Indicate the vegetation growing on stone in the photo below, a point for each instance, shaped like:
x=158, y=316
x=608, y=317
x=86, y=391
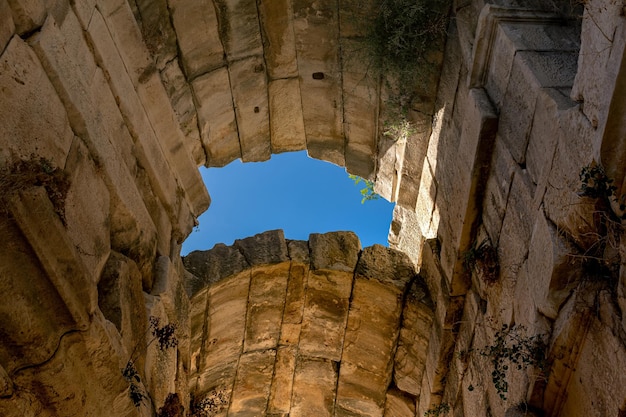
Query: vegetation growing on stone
x=34, y=172
x=438, y=411
x=512, y=347
x=209, y=405
x=367, y=192
x=482, y=259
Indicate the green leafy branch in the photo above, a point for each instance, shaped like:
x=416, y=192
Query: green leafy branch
x=367, y=192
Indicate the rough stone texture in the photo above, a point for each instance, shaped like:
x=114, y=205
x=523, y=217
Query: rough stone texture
x=286, y=122
x=337, y=251
x=265, y=248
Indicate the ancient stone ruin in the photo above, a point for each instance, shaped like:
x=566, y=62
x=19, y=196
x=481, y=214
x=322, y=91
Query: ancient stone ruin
x=503, y=292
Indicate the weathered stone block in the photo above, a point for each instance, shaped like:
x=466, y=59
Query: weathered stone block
x=179, y=92
x=28, y=15
x=553, y=267
x=298, y=251
x=286, y=122
x=121, y=301
x=314, y=388
x=197, y=328
x=398, y=404
x=325, y=314
x=282, y=381
x=389, y=167
x=214, y=265
x=279, y=41
x=33, y=314
x=359, y=392
x=252, y=385
x=266, y=302
x=197, y=35
x=294, y=301
x=26, y=88
x=239, y=28
x=7, y=26
x=249, y=88
x=216, y=117
x=157, y=30
x=338, y=251
x=316, y=33
x=497, y=189
x=87, y=219
x=390, y=267
x=264, y=248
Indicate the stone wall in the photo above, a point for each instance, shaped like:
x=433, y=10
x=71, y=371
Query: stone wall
x=317, y=328
x=109, y=106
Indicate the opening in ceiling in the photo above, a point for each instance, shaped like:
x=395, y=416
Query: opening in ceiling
x=291, y=191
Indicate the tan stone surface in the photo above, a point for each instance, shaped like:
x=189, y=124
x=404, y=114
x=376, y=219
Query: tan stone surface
x=252, y=385
x=399, y=405
x=6, y=23
x=266, y=302
x=25, y=86
x=325, y=314
x=313, y=388
x=296, y=287
x=27, y=15
x=239, y=28
x=337, y=251
x=286, y=120
x=197, y=34
x=278, y=37
x=216, y=117
x=264, y=248
x=282, y=381
x=249, y=88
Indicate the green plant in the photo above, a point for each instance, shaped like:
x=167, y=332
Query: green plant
x=166, y=338
x=482, y=259
x=34, y=172
x=438, y=410
x=209, y=405
x=512, y=347
x=367, y=192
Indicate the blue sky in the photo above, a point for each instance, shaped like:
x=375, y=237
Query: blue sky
x=292, y=192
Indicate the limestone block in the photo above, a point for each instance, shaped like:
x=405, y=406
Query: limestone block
x=239, y=28
x=314, y=388
x=410, y=356
x=197, y=327
x=266, y=302
x=27, y=15
x=405, y=234
x=121, y=301
x=216, y=117
x=279, y=42
x=360, y=101
x=389, y=267
x=179, y=91
x=169, y=288
x=148, y=150
x=286, y=122
x=161, y=362
x=371, y=334
x=157, y=30
x=41, y=225
x=356, y=19
x=325, y=314
x=298, y=251
x=555, y=272
x=500, y=63
x=34, y=121
x=264, y=248
x=226, y=321
x=316, y=33
x=249, y=88
x=544, y=133
x=389, y=167
x=571, y=213
x=518, y=107
x=87, y=219
x=132, y=229
x=497, y=189
x=82, y=377
x=197, y=34
x=398, y=404
x=598, y=55
x=252, y=385
x=414, y=155
x=338, y=251
x=517, y=225
x=33, y=316
x=84, y=11
x=426, y=201
x=6, y=386
x=7, y=26
x=214, y=265
x=294, y=301
x=282, y=381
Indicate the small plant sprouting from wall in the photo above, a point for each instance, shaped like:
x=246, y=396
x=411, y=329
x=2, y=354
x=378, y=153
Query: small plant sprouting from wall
x=482, y=259
x=209, y=405
x=367, y=192
x=438, y=411
x=166, y=338
x=35, y=172
x=512, y=347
